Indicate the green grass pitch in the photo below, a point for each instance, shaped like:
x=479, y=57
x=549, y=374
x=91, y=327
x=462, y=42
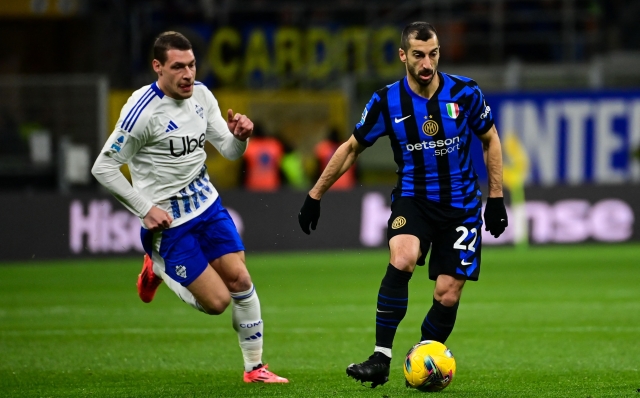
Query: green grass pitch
x=559, y=321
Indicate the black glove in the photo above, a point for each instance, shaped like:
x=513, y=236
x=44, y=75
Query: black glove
x=495, y=216
x=309, y=214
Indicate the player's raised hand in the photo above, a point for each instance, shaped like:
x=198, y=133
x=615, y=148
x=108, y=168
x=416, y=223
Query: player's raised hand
x=157, y=219
x=240, y=125
x=495, y=216
x=309, y=214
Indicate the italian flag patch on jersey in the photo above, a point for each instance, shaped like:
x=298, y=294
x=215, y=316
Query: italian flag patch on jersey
x=452, y=110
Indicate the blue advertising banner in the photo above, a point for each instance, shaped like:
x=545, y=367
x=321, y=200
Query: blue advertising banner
x=571, y=137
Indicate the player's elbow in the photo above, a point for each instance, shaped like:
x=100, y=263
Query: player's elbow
x=101, y=170
x=97, y=171
x=233, y=153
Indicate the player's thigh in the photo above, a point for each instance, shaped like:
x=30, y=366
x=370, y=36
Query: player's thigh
x=408, y=218
x=210, y=291
x=178, y=253
x=232, y=269
x=456, y=249
x=217, y=234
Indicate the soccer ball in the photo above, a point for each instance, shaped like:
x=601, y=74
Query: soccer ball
x=429, y=366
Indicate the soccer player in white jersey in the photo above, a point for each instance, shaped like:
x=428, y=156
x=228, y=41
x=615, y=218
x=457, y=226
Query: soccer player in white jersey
x=190, y=240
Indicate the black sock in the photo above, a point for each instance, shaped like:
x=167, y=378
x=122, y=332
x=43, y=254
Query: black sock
x=438, y=323
x=392, y=305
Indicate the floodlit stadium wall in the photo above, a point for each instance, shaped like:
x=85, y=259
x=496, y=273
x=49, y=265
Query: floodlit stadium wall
x=55, y=226
x=572, y=137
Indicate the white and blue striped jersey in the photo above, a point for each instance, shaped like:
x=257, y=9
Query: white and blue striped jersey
x=162, y=141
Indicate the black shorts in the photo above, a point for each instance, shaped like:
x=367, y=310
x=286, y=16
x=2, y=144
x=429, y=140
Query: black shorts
x=454, y=235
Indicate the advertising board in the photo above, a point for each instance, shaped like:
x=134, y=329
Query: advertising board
x=54, y=226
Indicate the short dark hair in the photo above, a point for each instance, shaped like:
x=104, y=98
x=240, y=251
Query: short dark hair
x=417, y=30
x=169, y=41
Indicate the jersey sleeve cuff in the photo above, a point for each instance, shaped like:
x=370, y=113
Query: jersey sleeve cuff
x=361, y=140
x=144, y=209
x=486, y=128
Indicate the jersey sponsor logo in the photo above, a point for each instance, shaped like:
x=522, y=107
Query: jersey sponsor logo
x=401, y=119
x=399, y=222
x=430, y=128
x=442, y=147
x=181, y=271
x=453, y=110
x=189, y=145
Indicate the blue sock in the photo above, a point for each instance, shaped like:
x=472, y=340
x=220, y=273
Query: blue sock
x=392, y=305
x=438, y=323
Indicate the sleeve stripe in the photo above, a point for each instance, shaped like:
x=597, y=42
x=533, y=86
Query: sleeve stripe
x=135, y=108
x=139, y=112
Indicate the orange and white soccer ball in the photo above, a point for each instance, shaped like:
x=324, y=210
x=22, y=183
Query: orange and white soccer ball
x=429, y=366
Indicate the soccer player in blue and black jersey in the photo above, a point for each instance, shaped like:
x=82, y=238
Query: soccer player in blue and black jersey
x=430, y=118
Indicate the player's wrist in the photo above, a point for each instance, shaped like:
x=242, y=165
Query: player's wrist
x=313, y=195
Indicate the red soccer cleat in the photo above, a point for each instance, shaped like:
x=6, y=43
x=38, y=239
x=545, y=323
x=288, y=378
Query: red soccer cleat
x=148, y=282
x=262, y=375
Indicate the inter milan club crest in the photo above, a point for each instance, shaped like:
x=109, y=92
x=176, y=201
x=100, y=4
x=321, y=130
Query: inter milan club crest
x=399, y=222
x=452, y=110
x=430, y=128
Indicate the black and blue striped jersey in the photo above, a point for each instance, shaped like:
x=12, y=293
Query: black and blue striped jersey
x=430, y=138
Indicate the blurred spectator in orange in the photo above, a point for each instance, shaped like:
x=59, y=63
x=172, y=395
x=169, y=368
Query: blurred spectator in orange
x=262, y=162
x=324, y=150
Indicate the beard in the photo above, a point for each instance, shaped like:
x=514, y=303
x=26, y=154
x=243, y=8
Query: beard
x=417, y=76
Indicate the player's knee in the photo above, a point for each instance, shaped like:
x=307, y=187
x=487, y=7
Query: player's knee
x=404, y=261
x=447, y=296
x=240, y=282
x=449, y=299
x=216, y=306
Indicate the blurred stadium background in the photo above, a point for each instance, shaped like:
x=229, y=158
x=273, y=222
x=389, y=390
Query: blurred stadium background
x=561, y=76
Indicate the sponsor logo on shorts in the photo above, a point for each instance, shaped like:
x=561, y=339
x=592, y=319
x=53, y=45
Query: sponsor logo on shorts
x=399, y=222
x=181, y=271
